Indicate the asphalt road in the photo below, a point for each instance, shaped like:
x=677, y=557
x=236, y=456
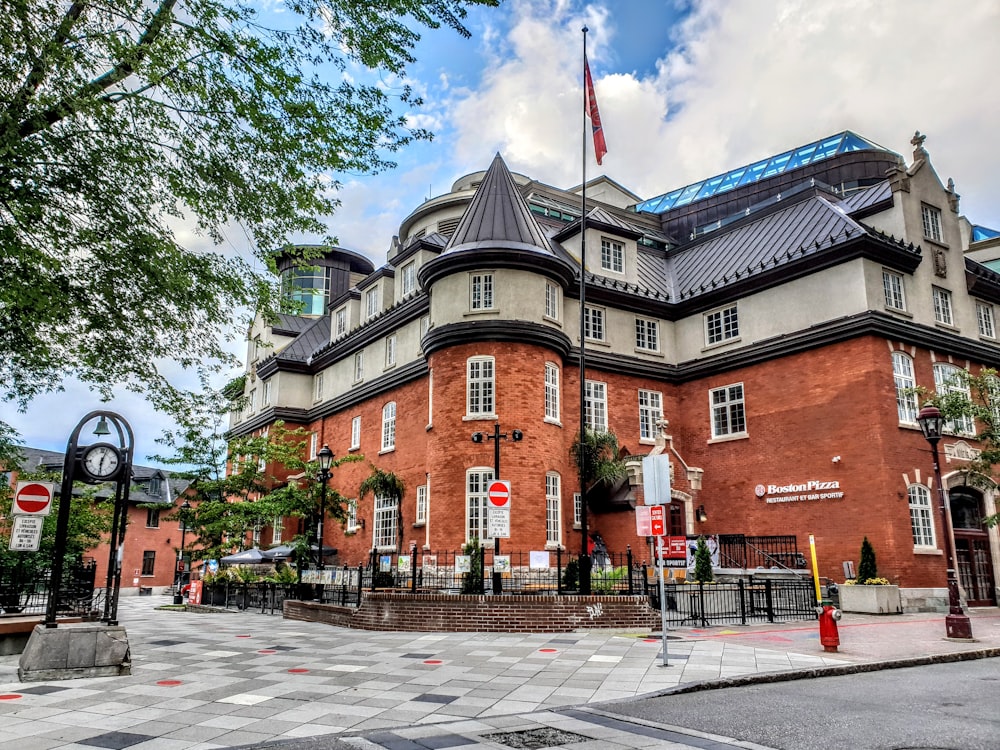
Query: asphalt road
x=942, y=706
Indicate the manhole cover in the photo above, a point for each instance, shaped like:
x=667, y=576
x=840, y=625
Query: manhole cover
x=533, y=739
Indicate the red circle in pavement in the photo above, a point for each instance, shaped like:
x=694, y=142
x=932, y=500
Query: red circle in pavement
x=547, y=650
x=10, y=696
x=432, y=661
x=244, y=636
x=169, y=683
x=650, y=640
x=298, y=670
x=267, y=651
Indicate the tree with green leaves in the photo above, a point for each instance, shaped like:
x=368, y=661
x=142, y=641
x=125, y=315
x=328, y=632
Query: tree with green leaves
x=388, y=486
x=973, y=400
x=268, y=477
x=135, y=135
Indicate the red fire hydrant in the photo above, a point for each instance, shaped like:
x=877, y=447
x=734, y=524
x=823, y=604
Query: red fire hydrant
x=828, y=635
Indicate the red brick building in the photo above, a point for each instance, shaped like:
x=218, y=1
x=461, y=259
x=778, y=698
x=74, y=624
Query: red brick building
x=773, y=316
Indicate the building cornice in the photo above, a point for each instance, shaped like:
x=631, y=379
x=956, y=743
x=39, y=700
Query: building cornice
x=519, y=331
x=447, y=264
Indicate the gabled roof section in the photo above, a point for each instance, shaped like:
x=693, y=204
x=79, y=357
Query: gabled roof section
x=498, y=218
x=753, y=248
x=312, y=338
x=290, y=325
x=861, y=201
x=825, y=148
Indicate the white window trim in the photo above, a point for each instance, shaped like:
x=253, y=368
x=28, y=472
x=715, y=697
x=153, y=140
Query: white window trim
x=390, y=351
x=590, y=397
x=319, y=384
x=408, y=278
x=351, y=525
x=723, y=436
x=372, y=303
x=479, y=382
x=388, y=427
x=313, y=445
x=553, y=301
x=655, y=414
x=383, y=507
x=359, y=366
x=906, y=404
x=986, y=320
x=589, y=314
x=355, y=433
x=552, y=394
x=616, y=252
x=340, y=317
x=887, y=287
x=485, y=477
x=553, y=510
x=420, y=513
x=928, y=509
x=721, y=314
x=943, y=310
x=930, y=220
x=647, y=324
x=483, y=283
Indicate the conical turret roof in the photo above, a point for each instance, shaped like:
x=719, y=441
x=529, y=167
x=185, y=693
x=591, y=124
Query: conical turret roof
x=498, y=218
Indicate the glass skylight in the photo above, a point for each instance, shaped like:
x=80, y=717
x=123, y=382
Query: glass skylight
x=841, y=143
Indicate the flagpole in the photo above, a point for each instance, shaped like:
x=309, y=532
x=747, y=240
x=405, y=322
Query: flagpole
x=582, y=453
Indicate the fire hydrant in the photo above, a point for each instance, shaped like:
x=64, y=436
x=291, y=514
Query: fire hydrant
x=828, y=635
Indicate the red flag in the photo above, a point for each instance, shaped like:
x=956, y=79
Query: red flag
x=600, y=147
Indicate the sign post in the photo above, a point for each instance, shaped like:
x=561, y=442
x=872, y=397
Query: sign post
x=498, y=521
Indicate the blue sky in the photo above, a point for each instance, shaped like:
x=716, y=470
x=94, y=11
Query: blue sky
x=687, y=89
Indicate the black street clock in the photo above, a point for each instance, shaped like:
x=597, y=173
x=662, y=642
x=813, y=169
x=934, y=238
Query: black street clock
x=100, y=462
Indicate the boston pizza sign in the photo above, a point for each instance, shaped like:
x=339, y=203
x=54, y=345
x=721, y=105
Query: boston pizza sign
x=796, y=492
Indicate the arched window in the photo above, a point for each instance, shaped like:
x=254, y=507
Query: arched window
x=389, y=426
x=553, y=509
x=906, y=403
x=920, y=516
x=477, y=483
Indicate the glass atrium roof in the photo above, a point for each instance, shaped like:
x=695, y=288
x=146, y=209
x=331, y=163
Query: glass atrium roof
x=841, y=143
x=983, y=233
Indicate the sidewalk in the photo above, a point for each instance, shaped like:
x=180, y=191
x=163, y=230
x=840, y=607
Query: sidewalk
x=207, y=680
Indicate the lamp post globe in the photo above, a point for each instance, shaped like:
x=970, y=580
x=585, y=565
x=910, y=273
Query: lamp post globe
x=957, y=624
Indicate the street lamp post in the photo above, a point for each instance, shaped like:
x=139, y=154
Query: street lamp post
x=957, y=623
x=184, y=510
x=496, y=437
x=325, y=460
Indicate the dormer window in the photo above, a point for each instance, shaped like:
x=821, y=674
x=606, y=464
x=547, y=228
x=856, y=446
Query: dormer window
x=408, y=278
x=371, y=303
x=612, y=256
x=154, y=486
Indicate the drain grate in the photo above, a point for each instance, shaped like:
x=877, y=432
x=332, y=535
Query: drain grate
x=534, y=739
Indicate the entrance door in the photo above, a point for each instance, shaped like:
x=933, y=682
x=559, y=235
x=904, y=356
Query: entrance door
x=972, y=547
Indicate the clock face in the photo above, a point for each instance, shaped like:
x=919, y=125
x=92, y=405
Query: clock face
x=101, y=461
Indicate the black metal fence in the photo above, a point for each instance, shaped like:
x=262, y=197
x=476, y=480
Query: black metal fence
x=24, y=590
x=755, y=552
x=742, y=602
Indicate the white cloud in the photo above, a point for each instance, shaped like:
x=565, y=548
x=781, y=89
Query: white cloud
x=746, y=80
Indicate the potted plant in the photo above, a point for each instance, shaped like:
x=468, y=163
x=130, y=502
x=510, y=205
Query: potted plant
x=868, y=592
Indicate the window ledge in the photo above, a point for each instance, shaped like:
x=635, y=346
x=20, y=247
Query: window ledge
x=598, y=342
x=387, y=450
x=988, y=339
x=429, y=427
x=649, y=352
x=553, y=546
x=480, y=417
x=928, y=551
x=937, y=243
x=729, y=438
x=354, y=448
x=419, y=524
x=550, y=319
x=647, y=441
x=550, y=420
x=488, y=312
x=897, y=311
x=718, y=344
x=947, y=327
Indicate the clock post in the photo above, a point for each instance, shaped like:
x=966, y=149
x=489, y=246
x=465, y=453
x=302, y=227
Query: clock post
x=94, y=649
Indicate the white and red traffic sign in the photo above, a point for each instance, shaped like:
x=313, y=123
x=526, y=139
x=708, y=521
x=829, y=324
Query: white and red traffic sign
x=33, y=498
x=650, y=520
x=499, y=494
x=26, y=533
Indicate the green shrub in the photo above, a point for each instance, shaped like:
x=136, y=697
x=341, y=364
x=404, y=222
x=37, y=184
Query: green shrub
x=867, y=569
x=703, y=563
x=571, y=575
x=608, y=581
x=472, y=582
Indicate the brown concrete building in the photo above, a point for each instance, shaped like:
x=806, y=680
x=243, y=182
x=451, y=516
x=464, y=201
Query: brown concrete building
x=773, y=316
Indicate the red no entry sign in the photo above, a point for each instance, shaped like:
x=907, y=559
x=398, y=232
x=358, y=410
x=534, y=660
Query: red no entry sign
x=33, y=498
x=499, y=494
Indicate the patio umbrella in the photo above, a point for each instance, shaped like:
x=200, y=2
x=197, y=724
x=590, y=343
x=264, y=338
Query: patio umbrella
x=252, y=555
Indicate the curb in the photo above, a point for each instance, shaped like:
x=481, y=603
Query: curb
x=806, y=674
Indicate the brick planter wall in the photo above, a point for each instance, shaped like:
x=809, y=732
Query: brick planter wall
x=499, y=614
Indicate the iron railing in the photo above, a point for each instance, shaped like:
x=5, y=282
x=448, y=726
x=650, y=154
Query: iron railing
x=742, y=602
x=756, y=552
x=24, y=590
